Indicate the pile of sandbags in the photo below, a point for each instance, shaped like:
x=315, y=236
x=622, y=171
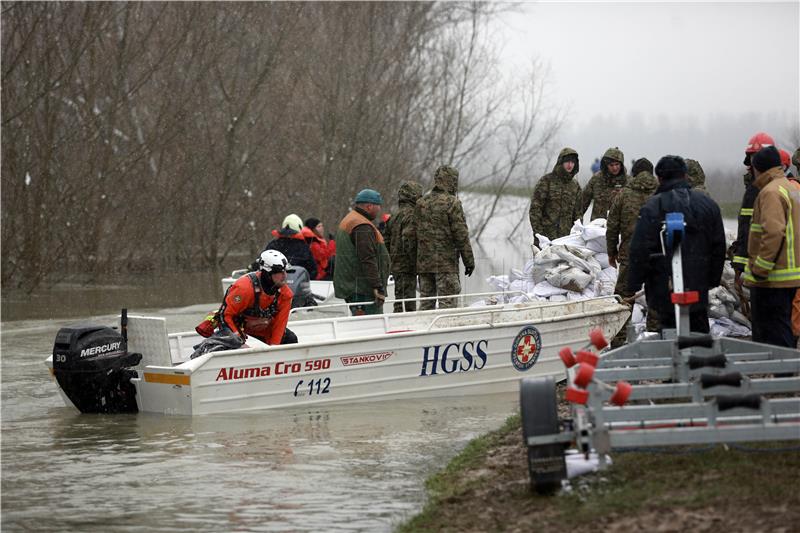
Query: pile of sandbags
x=569, y=268
x=575, y=267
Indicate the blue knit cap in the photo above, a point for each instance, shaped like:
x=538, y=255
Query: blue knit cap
x=369, y=196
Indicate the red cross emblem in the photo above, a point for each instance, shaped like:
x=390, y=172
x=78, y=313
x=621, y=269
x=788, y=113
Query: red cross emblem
x=525, y=348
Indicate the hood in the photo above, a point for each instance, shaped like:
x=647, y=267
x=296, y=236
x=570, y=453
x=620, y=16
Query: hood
x=696, y=175
x=559, y=171
x=613, y=154
x=767, y=176
x=409, y=192
x=644, y=181
x=445, y=179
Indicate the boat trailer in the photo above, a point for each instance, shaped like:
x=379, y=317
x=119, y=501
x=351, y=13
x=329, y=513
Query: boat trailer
x=713, y=390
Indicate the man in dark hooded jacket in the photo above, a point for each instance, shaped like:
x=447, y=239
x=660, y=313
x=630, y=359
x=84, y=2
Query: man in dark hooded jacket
x=403, y=253
x=702, y=246
x=556, y=199
x=442, y=238
x=605, y=185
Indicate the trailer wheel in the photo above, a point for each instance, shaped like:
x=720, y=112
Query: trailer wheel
x=539, y=413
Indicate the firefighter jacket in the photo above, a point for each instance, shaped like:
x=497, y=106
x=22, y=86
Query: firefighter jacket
x=773, y=249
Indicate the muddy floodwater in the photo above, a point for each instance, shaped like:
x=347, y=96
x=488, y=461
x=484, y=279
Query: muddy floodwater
x=349, y=468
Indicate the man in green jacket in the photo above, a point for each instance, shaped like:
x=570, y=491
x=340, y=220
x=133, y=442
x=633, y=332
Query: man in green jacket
x=606, y=184
x=556, y=199
x=362, y=261
x=442, y=237
x=402, y=252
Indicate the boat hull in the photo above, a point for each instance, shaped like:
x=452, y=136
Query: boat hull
x=415, y=355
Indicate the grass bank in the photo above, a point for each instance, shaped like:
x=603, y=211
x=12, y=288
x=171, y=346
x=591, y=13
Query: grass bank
x=742, y=488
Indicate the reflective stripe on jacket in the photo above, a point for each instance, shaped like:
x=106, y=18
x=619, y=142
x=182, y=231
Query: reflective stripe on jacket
x=773, y=248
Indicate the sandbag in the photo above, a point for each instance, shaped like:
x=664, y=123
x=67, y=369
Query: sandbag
x=602, y=260
x=546, y=289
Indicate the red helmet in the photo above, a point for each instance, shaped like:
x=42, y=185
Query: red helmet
x=786, y=158
x=757, y=142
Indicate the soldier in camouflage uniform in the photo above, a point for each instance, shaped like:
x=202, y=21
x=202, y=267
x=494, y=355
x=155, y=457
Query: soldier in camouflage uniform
x=606, y=184
x=403, y=253
x=796, y=161
x=442, y=237
x=556, y=199
x=622, y=219
x=697, y=178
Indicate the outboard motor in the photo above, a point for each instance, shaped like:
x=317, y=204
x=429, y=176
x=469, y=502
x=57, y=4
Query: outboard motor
x=92, y=367
x=298, y=279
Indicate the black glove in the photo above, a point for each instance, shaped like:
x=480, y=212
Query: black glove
x=468, y=271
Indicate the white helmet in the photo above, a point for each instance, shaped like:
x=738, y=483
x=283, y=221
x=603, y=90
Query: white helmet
x=272, y=261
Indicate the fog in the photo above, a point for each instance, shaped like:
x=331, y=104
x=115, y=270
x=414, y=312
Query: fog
x=697, y=79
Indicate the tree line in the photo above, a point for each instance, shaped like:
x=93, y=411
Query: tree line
x=147, y=137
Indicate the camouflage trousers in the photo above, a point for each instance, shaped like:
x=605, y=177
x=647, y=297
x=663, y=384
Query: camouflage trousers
x=439, y=284
x=621, y=289
x=405, y=286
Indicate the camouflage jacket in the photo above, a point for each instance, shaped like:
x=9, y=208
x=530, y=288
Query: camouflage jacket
x=624, y=213
x=556, y=200
x=403, y=252
x=697, y=178
x=441, y=231
x=603, y=187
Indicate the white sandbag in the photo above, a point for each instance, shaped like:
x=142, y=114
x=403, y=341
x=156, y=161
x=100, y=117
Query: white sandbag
x=517, y=285
x=598, y=222
x=637, y=315
x=725, y=327
x=577, y=228
x=717, y=311
x=544, y=242
x=597, y=245
x=602, y=259
x=527, y=271
x=569, y=240
x=608, y=274
x=546, y=289
x=739, y=318
x=557, y=298
x=573, y=296
x=544, y=262
x=576, y=261
x=498, y=283
x=570, y=278
x=515, y=274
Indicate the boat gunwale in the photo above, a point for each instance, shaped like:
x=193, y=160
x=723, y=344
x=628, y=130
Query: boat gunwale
x=193, y=365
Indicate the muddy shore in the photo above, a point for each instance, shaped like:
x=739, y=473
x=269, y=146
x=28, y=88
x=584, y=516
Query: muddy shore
x=745, y=488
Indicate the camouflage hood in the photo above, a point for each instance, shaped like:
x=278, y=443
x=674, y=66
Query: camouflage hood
x=559, y=171
x=409, y=192
x=613, y=154
x=697, y=177
x=644, y=181
x=445, y=179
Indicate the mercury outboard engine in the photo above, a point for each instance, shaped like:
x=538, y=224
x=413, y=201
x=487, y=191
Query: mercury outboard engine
x=92, y=366
x=298, y=279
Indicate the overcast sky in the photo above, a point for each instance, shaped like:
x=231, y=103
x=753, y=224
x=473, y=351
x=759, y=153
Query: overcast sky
x=687, y=71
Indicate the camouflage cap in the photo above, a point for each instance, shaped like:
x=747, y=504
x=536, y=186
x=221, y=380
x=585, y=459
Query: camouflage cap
x=614, y=154
x=695, y=171
x=446, y=179
x=409, y=191
x=446, y=171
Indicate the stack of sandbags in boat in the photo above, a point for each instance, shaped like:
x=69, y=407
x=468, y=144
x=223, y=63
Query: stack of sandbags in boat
x=574, y=267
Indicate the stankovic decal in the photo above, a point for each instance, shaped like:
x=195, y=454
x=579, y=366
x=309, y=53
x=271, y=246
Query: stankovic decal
x=454, y=357
x=526, y=348
x=365, y=359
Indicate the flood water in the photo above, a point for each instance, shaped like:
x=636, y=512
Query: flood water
x=347, y=468
x=357, y=467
